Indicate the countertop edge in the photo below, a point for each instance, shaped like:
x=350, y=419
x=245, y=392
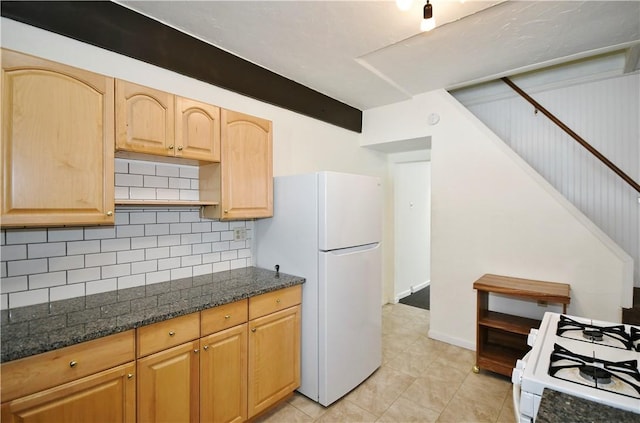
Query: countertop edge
x=557, y=406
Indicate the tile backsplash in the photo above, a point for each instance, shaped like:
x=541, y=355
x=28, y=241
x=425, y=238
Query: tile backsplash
x=142, y=180
x=145, y=246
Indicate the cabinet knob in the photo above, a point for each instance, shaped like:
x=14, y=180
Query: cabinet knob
x=171, y=147
x=278, y=300
x=253, y=330
x=227, y=317
x=109, y=213
x=73, y=363
x=196, y=351
x=130, y=376
x=180, y=148
x=171, y=333
x=206, y=347
x=226, y=211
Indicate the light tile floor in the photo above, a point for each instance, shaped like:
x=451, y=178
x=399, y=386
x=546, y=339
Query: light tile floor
x=420, y=380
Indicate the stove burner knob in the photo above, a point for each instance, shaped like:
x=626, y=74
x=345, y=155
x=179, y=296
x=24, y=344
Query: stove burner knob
x=516, y=374
x=531, y=339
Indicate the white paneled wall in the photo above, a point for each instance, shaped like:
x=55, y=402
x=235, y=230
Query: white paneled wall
x=145, y=246
x=606, y=113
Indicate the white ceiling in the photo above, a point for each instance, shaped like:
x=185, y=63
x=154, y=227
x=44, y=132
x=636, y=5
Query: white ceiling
x=369, y=53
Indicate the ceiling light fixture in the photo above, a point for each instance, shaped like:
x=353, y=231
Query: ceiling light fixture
x=428, y=21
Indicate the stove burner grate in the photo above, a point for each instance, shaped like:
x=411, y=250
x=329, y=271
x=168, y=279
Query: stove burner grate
x=616, y=334
x=595, y=374
x=635, y=338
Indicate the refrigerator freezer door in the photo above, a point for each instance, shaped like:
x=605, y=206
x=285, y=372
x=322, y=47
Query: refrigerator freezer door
x=350, y=319
x=350, y=210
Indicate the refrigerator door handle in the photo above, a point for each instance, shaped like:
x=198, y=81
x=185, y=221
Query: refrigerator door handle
x=351, y=250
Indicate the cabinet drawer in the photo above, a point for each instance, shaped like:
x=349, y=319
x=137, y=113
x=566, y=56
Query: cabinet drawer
x=43, y=371
x=167, y=334
x=223, y=317
x=271, y=302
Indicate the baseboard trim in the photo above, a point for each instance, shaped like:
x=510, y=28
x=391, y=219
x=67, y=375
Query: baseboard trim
x=418, y=287
x=439, y=336
x=401, y=295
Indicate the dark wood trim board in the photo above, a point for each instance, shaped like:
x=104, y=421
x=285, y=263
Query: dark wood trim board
x=114, y=27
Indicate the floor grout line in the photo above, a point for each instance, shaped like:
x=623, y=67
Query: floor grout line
x=436, y=351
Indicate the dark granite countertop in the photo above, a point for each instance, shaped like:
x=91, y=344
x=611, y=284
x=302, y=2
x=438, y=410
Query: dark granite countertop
x=558, y=407
x=40, y=328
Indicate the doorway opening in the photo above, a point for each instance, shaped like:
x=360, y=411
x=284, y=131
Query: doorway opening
x=412, y=229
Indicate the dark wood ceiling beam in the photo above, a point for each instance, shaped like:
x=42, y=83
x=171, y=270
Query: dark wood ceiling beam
x=113, y=27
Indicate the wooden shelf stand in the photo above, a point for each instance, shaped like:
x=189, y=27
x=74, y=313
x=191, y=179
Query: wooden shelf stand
x=501, y=338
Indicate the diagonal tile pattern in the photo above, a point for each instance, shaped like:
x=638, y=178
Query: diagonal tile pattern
x=420, y=380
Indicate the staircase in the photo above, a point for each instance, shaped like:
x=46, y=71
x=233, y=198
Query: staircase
x=631, y=316
x=605, y=112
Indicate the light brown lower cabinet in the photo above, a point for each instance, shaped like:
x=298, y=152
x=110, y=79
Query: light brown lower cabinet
x=168, y=385
x=274, y=358
x=93, y=381
x=223, y=365
x=203, y=380
x=223, y=376
x=108, y=396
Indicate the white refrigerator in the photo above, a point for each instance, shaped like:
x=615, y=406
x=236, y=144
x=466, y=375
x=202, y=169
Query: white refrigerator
x=327, y=228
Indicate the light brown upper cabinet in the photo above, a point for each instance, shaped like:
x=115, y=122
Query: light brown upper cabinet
x=154, y=122
x=244, y=184
x=57, y=144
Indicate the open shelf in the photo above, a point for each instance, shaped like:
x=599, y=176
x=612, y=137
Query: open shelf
x=508, y=322
x=123, y=202
x=499, y=358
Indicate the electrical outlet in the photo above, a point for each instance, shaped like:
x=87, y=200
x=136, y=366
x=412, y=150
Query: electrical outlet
x=239, y=234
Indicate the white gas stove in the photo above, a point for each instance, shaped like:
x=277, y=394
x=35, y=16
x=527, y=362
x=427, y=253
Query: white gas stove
x=594, y=360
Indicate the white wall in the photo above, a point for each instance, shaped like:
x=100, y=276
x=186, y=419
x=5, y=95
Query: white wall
x=491, y=213
x=300, y=144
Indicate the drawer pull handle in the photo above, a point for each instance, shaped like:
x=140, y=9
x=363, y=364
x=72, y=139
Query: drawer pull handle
x=171, y=333
x=73, y=363
x=278, y=301
x=253, y=330
x=227, y=317
x=206, y=347
x=130, y=376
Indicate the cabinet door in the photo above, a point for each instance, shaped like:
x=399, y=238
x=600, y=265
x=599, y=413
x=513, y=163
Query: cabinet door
x=247, y=170
x=168, y=385
x=274, y=358
x=144, y=119
x=107, y=396
x=57, y=144
x=223, y=376
x=197, y=130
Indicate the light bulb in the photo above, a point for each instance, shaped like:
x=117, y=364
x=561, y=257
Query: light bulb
x=404, y=5
x=427, y=24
